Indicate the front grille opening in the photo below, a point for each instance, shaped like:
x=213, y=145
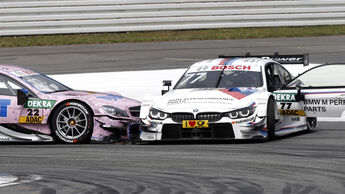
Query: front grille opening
x=179, y=117
x=135, y=111
x=211, y=117
x=215, y=131
x=194, y=133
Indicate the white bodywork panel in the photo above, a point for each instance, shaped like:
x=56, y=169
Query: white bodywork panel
x=319, y=102
x=220, y=100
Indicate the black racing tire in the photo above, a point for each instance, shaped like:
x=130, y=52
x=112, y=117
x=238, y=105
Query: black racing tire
x=133, y=134
x=72, y=122
x=311, y=123
x=271, y=121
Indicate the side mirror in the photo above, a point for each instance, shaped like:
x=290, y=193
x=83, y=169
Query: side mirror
x=168, y=84
x=272, y=89
x=299, y=95
x=22, y=96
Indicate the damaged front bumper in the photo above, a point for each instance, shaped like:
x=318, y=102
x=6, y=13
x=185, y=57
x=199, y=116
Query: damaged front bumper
x=108, y=129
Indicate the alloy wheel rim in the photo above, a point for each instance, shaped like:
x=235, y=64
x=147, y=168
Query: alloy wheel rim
x=71, y=122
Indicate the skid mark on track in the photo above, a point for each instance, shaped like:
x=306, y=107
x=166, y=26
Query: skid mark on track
x=20, y=179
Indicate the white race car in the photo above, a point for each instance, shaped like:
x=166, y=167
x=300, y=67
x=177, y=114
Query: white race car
x=228, y=98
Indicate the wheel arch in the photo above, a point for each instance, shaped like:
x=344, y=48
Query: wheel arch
x=262, y=105
x=64, y=101
x=276, y=116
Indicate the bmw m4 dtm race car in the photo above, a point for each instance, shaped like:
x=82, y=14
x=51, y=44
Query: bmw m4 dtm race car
x=34, y=107
x=234, y=98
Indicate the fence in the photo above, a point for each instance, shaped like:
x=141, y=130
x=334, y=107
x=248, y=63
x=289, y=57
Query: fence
x=31, y=17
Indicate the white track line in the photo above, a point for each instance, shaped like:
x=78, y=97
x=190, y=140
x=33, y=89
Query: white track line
x=133, y=84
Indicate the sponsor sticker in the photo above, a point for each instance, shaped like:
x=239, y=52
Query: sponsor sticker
x=31, y=119
x=23, y=73
x=38, y=103
x=216, y=100
x=295, y=119
x=321, y=105
x=232, y=67
x=64, y=139
x=195, y=124
x=78, y=105
x=292, y=112
x=285, y=97
x=5, y=139
x=250, y=119
x=4, y=103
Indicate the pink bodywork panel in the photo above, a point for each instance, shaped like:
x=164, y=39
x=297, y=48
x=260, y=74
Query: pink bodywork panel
x=93, y=99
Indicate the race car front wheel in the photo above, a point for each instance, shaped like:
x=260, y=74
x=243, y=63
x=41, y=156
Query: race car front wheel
x=72, y=122
x=271, y=122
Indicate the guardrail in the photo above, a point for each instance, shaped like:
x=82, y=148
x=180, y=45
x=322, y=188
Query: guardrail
x=31, y=17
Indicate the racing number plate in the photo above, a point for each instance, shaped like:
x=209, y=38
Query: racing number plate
x=195, y=124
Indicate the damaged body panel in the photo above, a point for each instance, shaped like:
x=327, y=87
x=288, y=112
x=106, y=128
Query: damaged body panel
x=34, y=102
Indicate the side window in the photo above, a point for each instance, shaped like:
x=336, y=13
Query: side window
x=4, y=90
x=13, y=86
x=277, y=77
x=285, y=75
x=273, y=79
x=269, y=78
x=8, y=87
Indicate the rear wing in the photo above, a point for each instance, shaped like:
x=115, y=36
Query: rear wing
x=282, y=59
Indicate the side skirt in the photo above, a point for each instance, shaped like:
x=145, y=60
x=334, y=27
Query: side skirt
x=291, y=129
x=8, y=135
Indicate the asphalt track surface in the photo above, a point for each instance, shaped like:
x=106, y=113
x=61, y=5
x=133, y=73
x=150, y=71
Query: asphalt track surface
x=163, y=55
x=299, y=163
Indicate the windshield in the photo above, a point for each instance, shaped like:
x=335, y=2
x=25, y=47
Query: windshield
x=44, y=83
x=219, y=79
x=321, y=76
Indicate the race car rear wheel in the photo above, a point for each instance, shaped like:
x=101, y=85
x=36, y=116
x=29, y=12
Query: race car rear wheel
x=72, y=122
x=271, y=122
x=311, y=123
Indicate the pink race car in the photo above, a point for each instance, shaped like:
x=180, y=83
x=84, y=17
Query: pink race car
x=34, y=107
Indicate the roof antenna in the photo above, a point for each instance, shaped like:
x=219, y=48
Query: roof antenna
x=247, y=54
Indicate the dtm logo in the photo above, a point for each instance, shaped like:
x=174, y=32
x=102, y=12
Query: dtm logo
x=111, y=97
x=4, y=103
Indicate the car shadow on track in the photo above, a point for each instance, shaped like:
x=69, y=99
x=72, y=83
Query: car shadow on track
x=233, y=141
x=183, y=142
x=27, y=143
x=292, y=135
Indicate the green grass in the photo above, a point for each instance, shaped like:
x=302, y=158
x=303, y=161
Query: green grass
x=181, y=35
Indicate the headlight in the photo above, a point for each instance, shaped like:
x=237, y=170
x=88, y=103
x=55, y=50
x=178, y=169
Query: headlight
x=157, y=114
x=114, y=111
x=241, y=113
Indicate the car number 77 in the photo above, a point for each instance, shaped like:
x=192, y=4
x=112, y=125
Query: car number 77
x=287, y=104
